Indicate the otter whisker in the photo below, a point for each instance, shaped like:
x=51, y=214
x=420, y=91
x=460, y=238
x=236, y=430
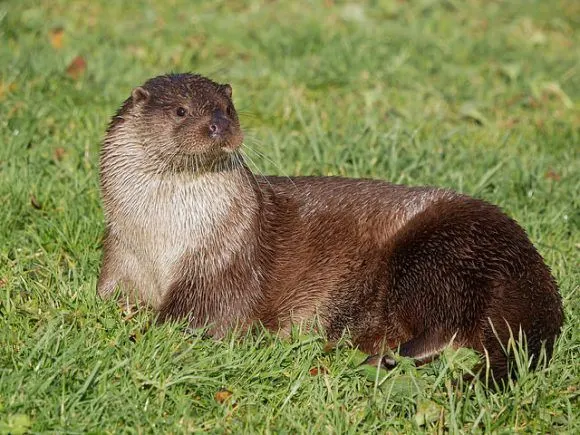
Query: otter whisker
x=262, y=176
x=248, y=173
x=242, y=164
x=261, y=155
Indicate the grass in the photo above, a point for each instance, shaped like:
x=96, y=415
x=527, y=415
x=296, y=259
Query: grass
x=479, y=96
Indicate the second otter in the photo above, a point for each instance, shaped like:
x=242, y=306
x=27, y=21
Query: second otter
x=193, y=233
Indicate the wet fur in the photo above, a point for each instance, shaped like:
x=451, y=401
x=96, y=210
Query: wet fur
x=397, y=266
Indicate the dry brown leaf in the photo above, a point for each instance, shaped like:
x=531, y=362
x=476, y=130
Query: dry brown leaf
x=55, y=35
x=3, y=282
x=553, y=175
x=510, y=123
x=515, y=99
x=553, y=89
x=222, y=395
x=5, y=89
x=76, y=68
x=329, y=346
x=315, y=371
x=533, y=103
x=59, y=153
x=34, y=202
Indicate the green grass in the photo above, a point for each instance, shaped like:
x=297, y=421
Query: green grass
x=479, y=96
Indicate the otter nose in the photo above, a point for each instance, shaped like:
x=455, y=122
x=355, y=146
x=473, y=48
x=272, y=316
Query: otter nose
x=219, y=124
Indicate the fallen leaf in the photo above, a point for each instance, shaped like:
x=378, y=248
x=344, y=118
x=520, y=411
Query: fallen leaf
x=315, y=371
x=16, y=424
x=222, y=395
x=553, y=175
x=511, y=71
x=34, y=202
x=532, y=103
x=3, y=282
x=359, y=357
x=427, y=412
x=59, y=153
x=374, y=373
x=514, y=99
x=76, y=68
x=403, y=386
x=554, y=89
x=461, y=359
x=108, y=323
x=538, y=38
x=6, y=88
x=510, y=123
x=470, y=111
x=55, y=35
x=329, y=346
x=129, y=315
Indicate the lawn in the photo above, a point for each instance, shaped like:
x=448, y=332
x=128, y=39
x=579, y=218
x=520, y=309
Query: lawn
x=479, y=96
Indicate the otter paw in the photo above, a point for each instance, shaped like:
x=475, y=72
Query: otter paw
x=381, y=361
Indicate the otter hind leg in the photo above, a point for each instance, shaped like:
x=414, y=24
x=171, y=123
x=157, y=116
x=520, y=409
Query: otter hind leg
x=423, y=349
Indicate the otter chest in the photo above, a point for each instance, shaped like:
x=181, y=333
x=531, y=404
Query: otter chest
x=163, y=223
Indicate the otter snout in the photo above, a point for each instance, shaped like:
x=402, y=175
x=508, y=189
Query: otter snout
x=219, y=125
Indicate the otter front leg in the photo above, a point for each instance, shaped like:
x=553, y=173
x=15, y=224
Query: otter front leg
x=112, y=279
x=106, y=285
x=113, y=271
x=108, y=279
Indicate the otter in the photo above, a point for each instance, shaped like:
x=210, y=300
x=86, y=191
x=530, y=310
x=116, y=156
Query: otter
x=194, y=234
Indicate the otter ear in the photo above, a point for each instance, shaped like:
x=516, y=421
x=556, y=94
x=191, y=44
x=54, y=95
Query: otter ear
x=227, y=89
x=139, y=95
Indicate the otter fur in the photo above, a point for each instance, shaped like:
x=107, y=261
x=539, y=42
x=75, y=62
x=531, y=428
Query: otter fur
x=194, y=234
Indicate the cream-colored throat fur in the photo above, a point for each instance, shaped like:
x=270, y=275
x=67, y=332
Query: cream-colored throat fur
x=206, y=216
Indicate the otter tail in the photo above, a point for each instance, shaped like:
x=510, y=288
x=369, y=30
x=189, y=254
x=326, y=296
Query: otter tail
x=513, y=336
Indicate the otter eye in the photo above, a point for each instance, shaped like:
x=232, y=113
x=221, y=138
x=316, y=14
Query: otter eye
x=181, y=111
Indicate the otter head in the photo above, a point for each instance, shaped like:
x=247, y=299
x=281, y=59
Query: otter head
x=184, y=121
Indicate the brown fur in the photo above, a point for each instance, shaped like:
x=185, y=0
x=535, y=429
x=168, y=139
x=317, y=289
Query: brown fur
x=200, y=237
